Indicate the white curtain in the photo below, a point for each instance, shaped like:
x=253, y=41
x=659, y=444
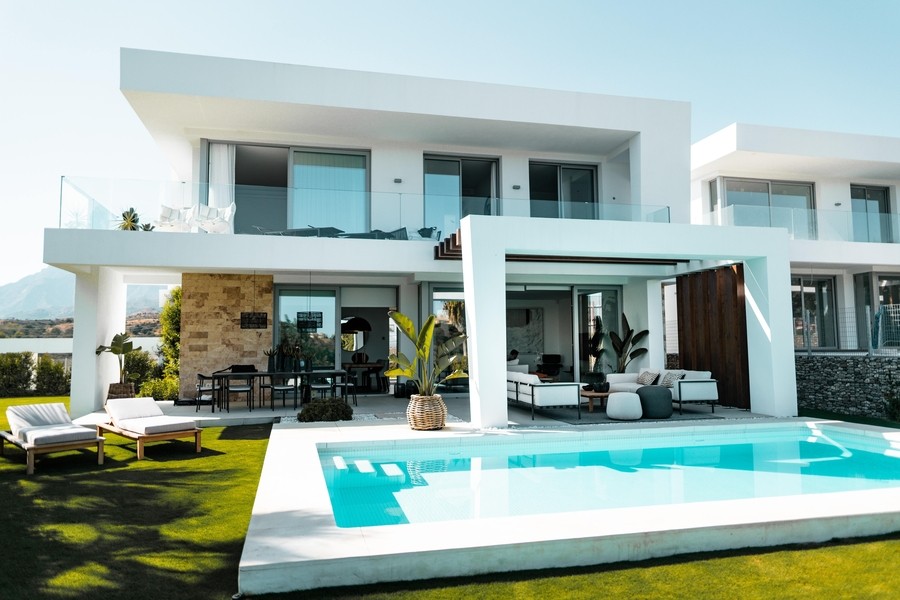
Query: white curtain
x=221, y=175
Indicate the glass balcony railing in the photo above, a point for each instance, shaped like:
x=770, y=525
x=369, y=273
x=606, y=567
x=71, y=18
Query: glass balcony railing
x=87, y=203
x=806, y=224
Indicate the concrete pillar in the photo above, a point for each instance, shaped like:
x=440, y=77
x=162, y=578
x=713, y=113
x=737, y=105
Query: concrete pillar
x=99, y=314
x=485, y=296
x=770, y=345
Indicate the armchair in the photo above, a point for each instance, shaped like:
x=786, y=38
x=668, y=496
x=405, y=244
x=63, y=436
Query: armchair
x=214, y=220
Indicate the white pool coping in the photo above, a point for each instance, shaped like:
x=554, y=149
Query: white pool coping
x=293, y=543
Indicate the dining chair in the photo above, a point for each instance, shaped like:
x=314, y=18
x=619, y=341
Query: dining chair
x=235, y=383
x=278, y=384
x=207, y=391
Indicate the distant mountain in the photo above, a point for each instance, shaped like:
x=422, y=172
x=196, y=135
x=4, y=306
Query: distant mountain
x=50, y=294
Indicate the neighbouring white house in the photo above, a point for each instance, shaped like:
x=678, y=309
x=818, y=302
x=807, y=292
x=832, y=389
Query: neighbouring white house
x=305, y=196
x=836, y=195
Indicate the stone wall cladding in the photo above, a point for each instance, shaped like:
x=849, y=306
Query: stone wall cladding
x=849, y=385
x=211, y=334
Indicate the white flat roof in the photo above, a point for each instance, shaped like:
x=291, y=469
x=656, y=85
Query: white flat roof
x=742, y=148
x=182, y=98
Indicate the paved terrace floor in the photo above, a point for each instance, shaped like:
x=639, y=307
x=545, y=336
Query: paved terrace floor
x=374, y=409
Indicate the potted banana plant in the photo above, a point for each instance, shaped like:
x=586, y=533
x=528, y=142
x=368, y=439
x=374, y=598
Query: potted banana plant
x=426, y=409
x=120, y=345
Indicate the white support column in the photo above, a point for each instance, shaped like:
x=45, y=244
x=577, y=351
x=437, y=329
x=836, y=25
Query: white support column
x=770, y=345
x=485, y=296
x=99, y=314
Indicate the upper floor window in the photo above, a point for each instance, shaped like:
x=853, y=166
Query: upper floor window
x=329, y=188
x=871, y=213
x=563, y=191
x=764, y=203
x=456, y=187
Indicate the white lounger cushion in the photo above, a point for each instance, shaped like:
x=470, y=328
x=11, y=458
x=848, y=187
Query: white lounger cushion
x=143, y=415
x=45, y=424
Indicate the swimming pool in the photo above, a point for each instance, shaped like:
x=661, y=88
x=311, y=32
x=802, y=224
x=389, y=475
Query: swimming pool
x=294, y=541
x=395, y=484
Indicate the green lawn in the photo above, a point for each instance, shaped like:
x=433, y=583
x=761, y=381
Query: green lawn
x=172, y=526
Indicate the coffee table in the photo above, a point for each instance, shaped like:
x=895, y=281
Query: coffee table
x=591, y=396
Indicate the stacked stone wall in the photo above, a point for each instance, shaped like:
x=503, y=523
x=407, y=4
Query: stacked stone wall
x=211, y=334
x=850, y=385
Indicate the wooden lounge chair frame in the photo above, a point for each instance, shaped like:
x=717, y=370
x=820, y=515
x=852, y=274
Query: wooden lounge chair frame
x=143, y=438
x=125, y=411
x=32, y=450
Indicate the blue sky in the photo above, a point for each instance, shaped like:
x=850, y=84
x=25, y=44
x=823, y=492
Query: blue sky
x=812, y=64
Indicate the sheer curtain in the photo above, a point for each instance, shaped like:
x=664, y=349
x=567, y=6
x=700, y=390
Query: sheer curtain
x=221, y=174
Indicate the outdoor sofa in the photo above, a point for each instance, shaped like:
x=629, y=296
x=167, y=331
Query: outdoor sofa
x=45, y=428
x=526, y=388
x=142, y=420
x=684, y=385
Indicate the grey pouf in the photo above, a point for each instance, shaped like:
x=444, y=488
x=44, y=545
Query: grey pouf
x=656, y=401
x=623, y=406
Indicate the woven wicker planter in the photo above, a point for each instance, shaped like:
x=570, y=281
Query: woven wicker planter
x=121, y=390
x=426, y=412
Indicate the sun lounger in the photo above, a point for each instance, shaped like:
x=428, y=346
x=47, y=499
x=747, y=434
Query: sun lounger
x=141, y=419
x=45, y=428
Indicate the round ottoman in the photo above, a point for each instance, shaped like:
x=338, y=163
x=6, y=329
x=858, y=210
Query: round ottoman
x=623, y=406
x=656, y=401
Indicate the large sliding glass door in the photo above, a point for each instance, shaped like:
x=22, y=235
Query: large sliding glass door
x=815, y=323
x=457, y=187
x=562, y=191
x=871, y=214
x=329, y=189
x=762, y=203
x=307, y=322
x=597, y=307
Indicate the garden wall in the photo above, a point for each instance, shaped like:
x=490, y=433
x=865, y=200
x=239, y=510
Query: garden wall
x=850, y=385
x=211, y=334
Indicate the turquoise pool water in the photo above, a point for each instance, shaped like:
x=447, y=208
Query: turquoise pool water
x=392, y=483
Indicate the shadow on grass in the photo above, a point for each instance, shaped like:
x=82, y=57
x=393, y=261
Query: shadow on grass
x=246, y=432
x=171, y=525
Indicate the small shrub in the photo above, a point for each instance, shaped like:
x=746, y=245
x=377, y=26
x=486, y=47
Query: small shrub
x=139, y=367
x=328, y=409
x=160, y=389
x=16, y=370
x=892, y=405
x=51, y=378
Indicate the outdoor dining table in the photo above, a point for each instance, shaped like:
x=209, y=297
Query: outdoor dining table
x=301, y=380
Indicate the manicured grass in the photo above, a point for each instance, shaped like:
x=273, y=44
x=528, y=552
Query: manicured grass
x=172, y=526
x=169, y=526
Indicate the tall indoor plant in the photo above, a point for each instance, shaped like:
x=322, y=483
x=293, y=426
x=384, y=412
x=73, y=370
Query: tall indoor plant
x=426, y=409
x=120, y=345
x=625, y=347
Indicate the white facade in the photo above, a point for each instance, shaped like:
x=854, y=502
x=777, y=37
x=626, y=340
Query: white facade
x=843, y=251
x=635, y=152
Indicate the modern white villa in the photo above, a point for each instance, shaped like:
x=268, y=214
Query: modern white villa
x=314, y=195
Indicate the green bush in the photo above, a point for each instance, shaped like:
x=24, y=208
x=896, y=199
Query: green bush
x=327, y=409
x=160, y=389
x=52, y=378
x=16, y=370
x=139, y=367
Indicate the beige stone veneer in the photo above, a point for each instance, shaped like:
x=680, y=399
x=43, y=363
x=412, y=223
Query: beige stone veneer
x=211, y=334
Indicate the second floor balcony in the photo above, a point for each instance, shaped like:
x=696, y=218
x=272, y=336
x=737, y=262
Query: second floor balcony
x=813, y=224
x=91, y=203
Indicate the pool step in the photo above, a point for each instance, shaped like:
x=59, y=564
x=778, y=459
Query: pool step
x=362, y=472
